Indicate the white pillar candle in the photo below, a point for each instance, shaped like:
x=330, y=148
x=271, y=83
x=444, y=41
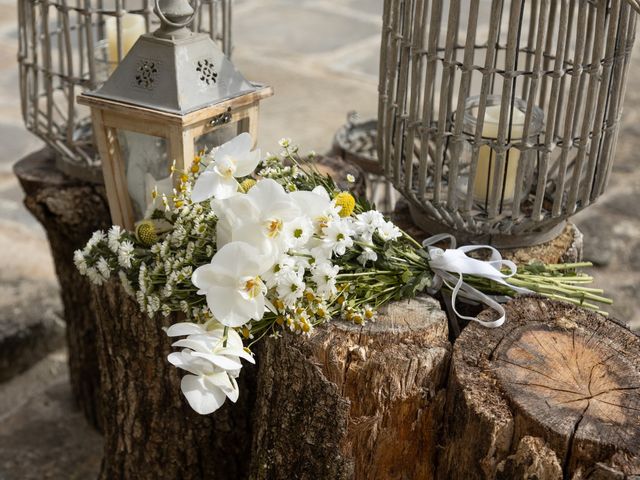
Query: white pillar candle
x=132, y=27
x=487, y=158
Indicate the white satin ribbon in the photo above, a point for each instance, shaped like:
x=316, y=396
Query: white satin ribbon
x=451, y=264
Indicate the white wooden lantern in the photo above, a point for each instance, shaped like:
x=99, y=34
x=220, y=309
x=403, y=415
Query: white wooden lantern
x=174, y=93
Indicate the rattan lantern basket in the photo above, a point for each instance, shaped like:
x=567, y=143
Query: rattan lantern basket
x=498, y=119
x=67, y=47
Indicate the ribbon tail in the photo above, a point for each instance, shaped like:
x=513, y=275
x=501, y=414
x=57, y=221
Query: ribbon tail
x=471, y=292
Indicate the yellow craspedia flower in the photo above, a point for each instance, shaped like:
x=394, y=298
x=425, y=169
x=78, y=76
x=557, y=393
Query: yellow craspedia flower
x=247, y=184
x=146, y=232
x=246, y=333
x=347, y=202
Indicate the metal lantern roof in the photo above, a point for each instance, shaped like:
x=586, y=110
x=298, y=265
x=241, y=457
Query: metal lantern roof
x=174, y=75
x=174, y=70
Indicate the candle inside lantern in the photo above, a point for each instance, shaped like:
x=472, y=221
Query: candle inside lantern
x=132, y=26
x=487, y=157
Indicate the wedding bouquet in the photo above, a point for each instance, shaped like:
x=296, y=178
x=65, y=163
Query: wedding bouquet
x=246, y=247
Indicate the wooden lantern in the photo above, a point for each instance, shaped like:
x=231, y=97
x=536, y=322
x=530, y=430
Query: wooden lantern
x=174, y=93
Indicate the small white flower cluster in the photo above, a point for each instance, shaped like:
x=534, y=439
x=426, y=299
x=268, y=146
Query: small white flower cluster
x=368, y=223
x=105, y=254
x=174, y=258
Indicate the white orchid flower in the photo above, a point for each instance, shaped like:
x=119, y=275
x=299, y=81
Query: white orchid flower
x=235, y=292
x=231, y=160
x=257, y=218
x=316, y=205
x=213, y=363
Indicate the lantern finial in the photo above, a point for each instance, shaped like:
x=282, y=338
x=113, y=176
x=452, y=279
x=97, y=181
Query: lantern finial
x=175, y=16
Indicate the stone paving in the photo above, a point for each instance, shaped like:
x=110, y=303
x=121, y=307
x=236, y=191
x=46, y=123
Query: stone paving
x=321, y=58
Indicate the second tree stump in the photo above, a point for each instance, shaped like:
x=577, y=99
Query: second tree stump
x=554, y=393
x=354, y=401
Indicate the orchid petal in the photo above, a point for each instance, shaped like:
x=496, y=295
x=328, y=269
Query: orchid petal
x=234, y=392
x=203, y=188
x=239, y=259
x=186, y=361
x=201, y=397
x=247, y=163
x=207, y=275
x=222, y=361
x=185, y=328
x=235, y=147
x=224, y=187
x=226, y=304
x=266, y=191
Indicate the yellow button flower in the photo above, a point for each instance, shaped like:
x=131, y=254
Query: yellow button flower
x=347, y=202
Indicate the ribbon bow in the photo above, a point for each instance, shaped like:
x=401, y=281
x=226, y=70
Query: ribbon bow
x=451, y=264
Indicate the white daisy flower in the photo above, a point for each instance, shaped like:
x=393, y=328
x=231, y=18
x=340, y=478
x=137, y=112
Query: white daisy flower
x=125, y=254
x=337, y=236
x=113, y=238
x=324, y=276
x=388, y=231
x=367, y=255
x=290, y=287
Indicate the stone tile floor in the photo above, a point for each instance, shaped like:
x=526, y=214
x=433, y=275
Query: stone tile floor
x=321, y=58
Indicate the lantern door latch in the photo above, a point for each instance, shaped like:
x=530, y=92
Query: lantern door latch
x=221, y=119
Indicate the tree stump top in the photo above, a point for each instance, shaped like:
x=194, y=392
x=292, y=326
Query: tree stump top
x=419, y=315
x=573, y=379
x=556, y=372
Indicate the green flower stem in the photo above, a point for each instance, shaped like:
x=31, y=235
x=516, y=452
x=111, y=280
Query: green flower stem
x=567, y=266
x=225, y=336
x=411, y=239
x=365, y=274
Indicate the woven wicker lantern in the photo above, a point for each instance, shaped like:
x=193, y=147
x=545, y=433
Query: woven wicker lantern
x=498, y=119
x=69, y=46
x=173, y=94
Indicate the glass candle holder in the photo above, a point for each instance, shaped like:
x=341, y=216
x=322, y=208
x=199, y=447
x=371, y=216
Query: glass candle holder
x=483, y=183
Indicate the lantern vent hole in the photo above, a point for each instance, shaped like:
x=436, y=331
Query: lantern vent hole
x=146, y=74
x=206, y=70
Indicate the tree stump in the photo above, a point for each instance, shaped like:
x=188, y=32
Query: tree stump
x=554, y=393
x=70, y=210
x=150, y=430
x=352, y=401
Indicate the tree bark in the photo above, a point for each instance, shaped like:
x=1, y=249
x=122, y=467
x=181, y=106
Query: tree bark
x=70, y=210
x=150, y=430
x=554, y=393
x=352, y=401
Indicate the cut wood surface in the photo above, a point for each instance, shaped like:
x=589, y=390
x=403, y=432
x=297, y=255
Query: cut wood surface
x=70, y=210
x=352, y=401
x=150, y=430
x=554, y=393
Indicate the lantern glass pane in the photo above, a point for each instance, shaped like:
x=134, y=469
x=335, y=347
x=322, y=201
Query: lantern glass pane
x=147, y=167
x=217, y=137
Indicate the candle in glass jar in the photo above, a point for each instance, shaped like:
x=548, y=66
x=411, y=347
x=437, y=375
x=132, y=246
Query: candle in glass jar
x=487, y=158
x=132, y=27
